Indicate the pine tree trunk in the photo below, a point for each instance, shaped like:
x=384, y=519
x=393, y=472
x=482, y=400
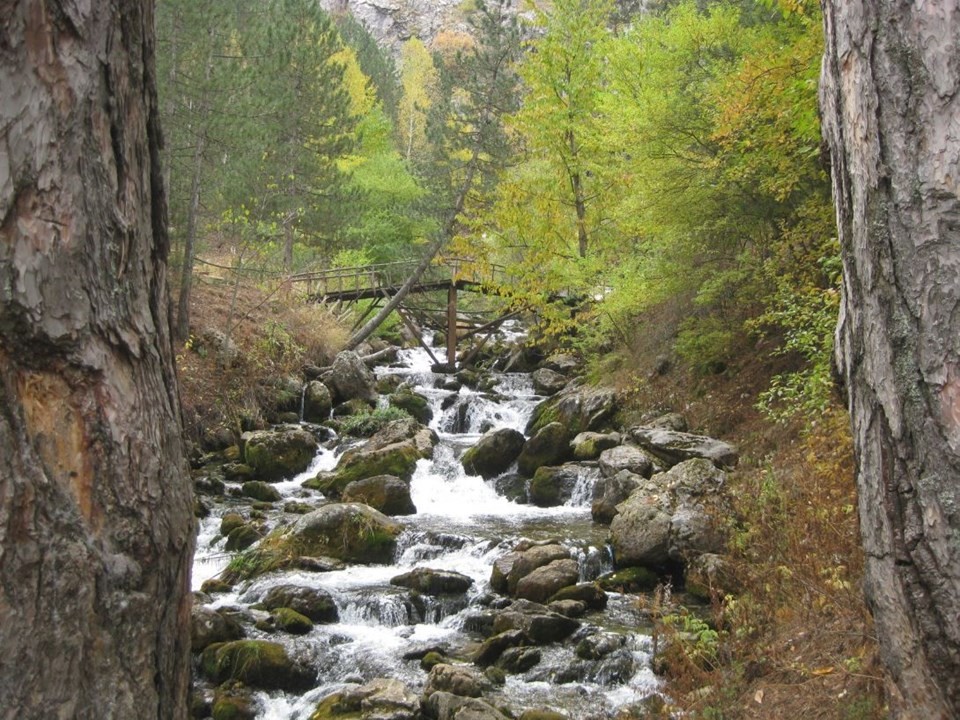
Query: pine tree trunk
x=891, y=111
x=96, y=523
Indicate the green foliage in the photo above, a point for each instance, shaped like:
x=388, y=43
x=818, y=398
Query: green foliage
x=366, y=424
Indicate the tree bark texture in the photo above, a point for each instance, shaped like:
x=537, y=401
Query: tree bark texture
x=96, y=522
x=891, y=112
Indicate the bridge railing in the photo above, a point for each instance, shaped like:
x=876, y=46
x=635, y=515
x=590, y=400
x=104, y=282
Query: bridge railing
x=389, y=276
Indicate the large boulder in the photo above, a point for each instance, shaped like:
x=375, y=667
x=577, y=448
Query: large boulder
x=577, y=407
x=208, y=626
x=386, y=493
x=552, y=486
x=609, y=492
x=674, y=447
x=549, y=446
x=433, y=582
x=379, y=699
x=347, y=531
x=548, y=382
x=351, y=379
x=313, y=603
x=539, y=624
x=526, y=561
x=317, y=402
x=545, y=581
x=626, y=457
x=259, y=490
x=676, y=515
x=589, y=445
x=277, y=454
x=459, y=680
x=561, y=363
x=441, y=705
x=414, y=403
x=257, y=663
x=493, y=453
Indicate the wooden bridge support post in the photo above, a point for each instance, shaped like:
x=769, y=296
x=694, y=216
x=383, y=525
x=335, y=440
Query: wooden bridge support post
x=452, y=326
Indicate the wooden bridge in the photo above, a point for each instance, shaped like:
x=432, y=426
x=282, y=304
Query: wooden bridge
x=346, y=286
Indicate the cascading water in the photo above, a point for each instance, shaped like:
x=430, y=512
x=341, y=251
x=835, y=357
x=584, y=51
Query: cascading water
x=461, y=524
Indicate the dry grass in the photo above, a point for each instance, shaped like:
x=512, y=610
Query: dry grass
x=276, y=333
x=795, y=638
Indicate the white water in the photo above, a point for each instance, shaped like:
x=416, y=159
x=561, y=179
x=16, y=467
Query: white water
x=461, y=524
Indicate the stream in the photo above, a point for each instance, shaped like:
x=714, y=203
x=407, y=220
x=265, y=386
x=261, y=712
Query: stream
x=461, y=524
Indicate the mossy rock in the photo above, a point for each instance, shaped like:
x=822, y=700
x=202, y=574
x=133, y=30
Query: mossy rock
x=544, y=489
x=290, y=621
x=413, y=403
x=346, y=531
x=493, y=453
x=215, y=585
x=430, y=659
x=386, y=493
x=231, y=521
x=259, y=490
x=633, y=579
x=275, y=455
x=549, y=446
x=542, y=715
x=398, y=459
x=257, y=663
x=240, y=538
x=339, y=706
x=233, y=703
x=577, y=407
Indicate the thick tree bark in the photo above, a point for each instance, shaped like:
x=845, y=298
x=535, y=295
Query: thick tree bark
x=891, y=111
x=96, y=525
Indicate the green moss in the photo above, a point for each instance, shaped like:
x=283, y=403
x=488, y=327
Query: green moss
x=337, y=706
x=634, y=579
x=399, y=459
x=233, y=704
x=292, y=622
x=259, y=490
x=544, y=489
x=414, y=404
x=430, y=659
x=229, y=522
x=257, y=663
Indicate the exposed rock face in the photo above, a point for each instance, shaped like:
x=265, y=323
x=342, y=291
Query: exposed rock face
x=392, y=22
x=493, y=453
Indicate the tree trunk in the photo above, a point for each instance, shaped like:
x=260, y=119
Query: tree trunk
x=96, y=522
x=891, y=111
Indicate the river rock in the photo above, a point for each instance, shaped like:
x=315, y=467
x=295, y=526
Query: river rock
x=545, y=581
x=549, y=446
x=626, y=457
x=493, y=647
x=398, y=459
x=231, y=521
x=671, y=421
x=568, y=608
x=208, y=627
x=589, y=445
x=548, y=382
x=414, y=403
x=552, y=486
x=609, y=492
x=526, y=561
x=631, y=579
x=347, y=531
x=590, y=594
x=577, y=407
x=379, y=699
x=259, y=490
x=455, y=679
x=674, y=447
x=709, y=576
x=256, y=663
x=290, y=621
x=640, y=532
x=513, y=487
x=351, y=379
x=518, y=660
x=433, y=582
x=242, y=537
x=386, y=493
x=277, y=454
x=539, y=624
x=561, y=363
x=598, y=645
x=493, y=453
x=442, y=705
x=315, y=604
x=233, y=702
x=317, y=402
